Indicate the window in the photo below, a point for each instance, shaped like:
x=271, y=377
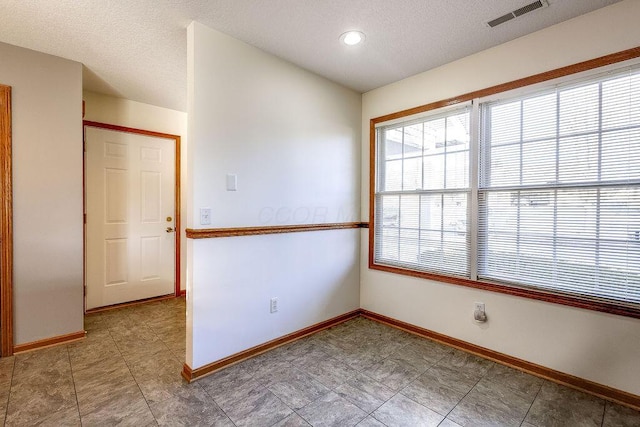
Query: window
x=537, y=192
x=423, y=193
x=559, y=197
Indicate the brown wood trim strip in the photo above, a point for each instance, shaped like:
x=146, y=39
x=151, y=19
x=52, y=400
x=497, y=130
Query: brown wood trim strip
x=372, y=189
x=49, y=342
x=517, y=291
x=567, y=300
x=603, y=391
x=212, y=233
x=591, y=64
x=187, y=373
x=177, y=195
x=6, y=225
x=193, y=374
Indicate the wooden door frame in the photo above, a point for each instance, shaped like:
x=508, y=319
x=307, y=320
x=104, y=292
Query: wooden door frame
x=6, y=229
x=178, y=232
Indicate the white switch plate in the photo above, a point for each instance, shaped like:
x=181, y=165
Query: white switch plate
x=205, y=216
x=273, y=306
x=232, y=182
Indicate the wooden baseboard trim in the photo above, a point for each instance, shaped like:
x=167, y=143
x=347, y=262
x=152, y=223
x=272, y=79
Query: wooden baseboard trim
x=193, y=374
x=49, y=342
x=129, y=304
x=599, y=390
x=183, y=292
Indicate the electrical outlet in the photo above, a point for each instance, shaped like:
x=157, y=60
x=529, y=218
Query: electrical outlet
x=478, y=312
x=205, y=216
x=274, y=305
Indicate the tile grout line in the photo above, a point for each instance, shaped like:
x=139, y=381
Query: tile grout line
x=6, y=411
x=129, y=369
x=361, y=371
x=73, y=379
x=466, y=394
x=218, y=405
x=403, y=388
x=532, y=402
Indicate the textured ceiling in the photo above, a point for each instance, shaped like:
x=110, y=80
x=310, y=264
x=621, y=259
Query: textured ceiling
x=136, y=49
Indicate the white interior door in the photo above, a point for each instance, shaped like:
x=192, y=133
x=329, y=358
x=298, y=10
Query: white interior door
x=129, y=193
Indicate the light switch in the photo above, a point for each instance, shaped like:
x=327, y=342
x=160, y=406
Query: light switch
x=205, y=216
x=232, y=182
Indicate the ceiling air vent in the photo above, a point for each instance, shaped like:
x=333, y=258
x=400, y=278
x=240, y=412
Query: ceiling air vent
x=518, y=12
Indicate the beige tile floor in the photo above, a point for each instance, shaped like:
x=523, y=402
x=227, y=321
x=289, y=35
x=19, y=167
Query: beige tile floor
x=127, y=372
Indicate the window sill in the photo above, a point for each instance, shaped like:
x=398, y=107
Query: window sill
x=555, y=298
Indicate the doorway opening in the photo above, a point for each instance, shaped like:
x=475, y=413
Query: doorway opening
x=134, y=268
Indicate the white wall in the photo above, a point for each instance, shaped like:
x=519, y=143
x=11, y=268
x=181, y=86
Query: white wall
x=293, y=140
x=123, y=112
x=47, y=191
x=596, y=346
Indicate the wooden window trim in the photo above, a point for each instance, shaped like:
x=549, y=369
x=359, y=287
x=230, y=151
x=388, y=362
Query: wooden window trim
x=520, y=291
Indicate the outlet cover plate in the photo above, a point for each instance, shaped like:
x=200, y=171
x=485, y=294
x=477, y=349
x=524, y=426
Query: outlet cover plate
x=205, y=216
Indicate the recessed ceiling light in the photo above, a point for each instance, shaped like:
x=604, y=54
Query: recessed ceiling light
x=351, y=38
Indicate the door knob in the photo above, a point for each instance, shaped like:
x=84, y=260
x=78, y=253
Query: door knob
x=170, y=230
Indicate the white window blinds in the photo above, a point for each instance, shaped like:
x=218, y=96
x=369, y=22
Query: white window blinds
x=559, y=189
x=422, y=194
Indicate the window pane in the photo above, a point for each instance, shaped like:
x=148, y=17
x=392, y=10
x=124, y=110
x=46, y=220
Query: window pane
x=458, y=132
x=433, y=172
x=434, y=137
x=393, y=144
x=455, y=214
x=424, y=227
x=390, y=208
x=431, y=211
x=410, y=211
x=413, y=140
x=505, y=123
x=539, y=117
x=445, y=250
x=389, y=244
x=409, y=246
x=393, y=175
x=579, y=110
x=539, y=162
x=621, y=155
x=621, y=102
x=578, y=159
x=412, y=176
x=576, y=214
x=457, y=170
x=504, y=166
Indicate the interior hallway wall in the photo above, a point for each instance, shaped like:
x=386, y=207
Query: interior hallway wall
x=47, y=192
